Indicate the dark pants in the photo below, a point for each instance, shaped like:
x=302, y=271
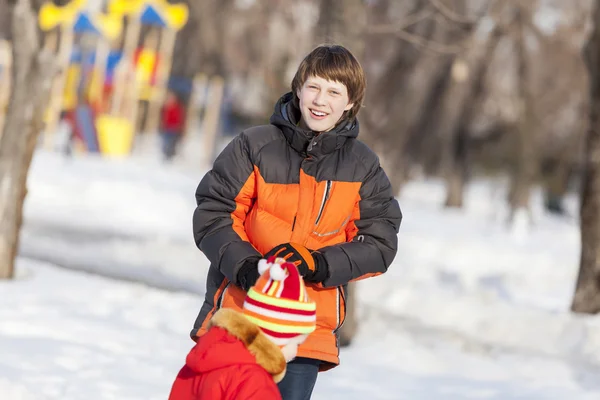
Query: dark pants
x=169, y=143
x=300, y=379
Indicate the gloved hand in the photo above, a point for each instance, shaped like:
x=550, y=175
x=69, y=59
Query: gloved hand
x=248, y=273
x=311, y=264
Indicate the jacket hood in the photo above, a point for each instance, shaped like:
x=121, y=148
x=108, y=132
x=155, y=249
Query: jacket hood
x=233, y=340
x=286, y=116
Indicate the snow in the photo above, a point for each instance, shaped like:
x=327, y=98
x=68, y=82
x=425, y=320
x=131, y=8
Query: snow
x=66, y=335
x=109, y=282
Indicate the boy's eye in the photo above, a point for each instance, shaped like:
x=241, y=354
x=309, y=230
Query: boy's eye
x=334, y=92
x=312, y=87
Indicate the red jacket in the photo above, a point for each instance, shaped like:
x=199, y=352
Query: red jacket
x=233, y=360
x=173, y=117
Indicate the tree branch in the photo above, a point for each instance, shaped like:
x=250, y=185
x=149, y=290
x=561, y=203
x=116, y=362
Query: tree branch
x=412, y=19
x=451, y=15
x=437, y=9
x=429, y=45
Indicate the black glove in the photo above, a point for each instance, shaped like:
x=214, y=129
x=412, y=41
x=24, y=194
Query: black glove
x=248, y=273
x=311, y=264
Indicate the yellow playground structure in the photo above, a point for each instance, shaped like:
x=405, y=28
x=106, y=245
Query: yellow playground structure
x=104, y=74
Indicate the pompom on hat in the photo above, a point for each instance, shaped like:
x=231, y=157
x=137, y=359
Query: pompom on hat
x=278, y=302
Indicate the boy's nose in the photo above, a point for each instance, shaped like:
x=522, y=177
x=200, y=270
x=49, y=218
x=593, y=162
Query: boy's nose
x=319, y=100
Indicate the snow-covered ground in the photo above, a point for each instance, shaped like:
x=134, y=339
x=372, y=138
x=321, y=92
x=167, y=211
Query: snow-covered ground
x=468, y=310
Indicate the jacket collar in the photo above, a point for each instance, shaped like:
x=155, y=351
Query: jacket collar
x=287, y=115
x=267, y=354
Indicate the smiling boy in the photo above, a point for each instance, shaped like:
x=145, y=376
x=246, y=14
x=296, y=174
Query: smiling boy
x=306, y=189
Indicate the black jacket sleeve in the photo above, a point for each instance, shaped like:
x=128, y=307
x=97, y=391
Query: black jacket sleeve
x=224, y=197
x=375, y=244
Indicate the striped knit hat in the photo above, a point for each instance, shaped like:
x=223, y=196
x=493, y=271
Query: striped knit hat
x=278, y=302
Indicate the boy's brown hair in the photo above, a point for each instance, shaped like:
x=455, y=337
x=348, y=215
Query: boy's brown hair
x=334, y=63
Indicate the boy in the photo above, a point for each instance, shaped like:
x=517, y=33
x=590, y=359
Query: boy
x=243, y=355
x=303, y=188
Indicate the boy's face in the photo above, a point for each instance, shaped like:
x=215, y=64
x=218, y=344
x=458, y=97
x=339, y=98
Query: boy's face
x=322, y=103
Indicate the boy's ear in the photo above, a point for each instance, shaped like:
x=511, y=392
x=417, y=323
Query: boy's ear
x=298, y=92
x=349, y=106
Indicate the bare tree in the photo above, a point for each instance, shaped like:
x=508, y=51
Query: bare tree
x=461, y=103
x=419, y=47
x=200, y=43
x=4, y=20
x=32, y=75
x=587, y=292
x=409, y=77
x=526, y=158
x=561, y=104
x=391, y=104
x=328, y=26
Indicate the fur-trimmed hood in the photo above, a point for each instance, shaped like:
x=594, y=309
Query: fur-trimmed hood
x=217, y=348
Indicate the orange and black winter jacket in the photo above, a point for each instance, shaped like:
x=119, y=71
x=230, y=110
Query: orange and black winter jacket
x=278, y=183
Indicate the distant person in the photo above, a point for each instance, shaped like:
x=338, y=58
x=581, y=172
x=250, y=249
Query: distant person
x=306, y=189
x=244, y=354
x=172, y=123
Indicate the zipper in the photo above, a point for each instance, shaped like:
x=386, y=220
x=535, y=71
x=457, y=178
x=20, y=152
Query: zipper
x=323, y=201
x=294, y=223
x=339, y=323
x=340, y=298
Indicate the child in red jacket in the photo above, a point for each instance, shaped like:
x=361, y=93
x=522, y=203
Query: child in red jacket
x=172, y=123
x=244, y=355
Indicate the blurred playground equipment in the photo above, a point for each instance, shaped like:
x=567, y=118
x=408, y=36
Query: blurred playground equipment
x=104, y=75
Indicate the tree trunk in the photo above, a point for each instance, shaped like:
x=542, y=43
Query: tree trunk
x=525, y=166
x=200, y=44
x=455, y=161
x=397, y=167
x=559, y=171
x=587, y=292
x=387, y=124
x=458, y=169
x=5, y=20
x=31, y=86
x=330, y=13
x=556, y=185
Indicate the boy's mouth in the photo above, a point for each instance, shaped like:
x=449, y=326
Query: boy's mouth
x=318, y=114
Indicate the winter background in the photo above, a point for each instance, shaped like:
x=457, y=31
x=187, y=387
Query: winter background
x=109, y=282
